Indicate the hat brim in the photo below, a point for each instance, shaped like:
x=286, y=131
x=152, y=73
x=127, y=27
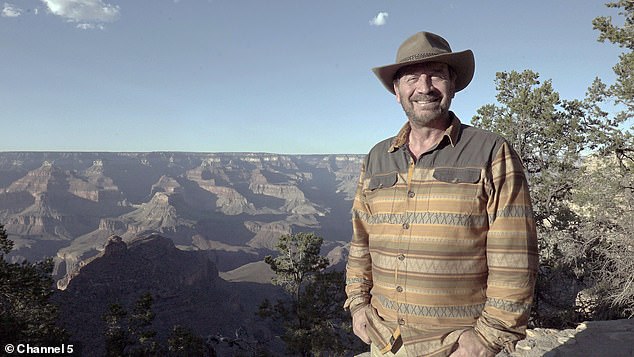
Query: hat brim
x=462, y=62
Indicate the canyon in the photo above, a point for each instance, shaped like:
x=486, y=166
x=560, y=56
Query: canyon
x=66, y=205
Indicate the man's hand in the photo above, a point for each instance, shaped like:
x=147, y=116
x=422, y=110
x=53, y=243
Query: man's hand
x=470, y=346
x=360, y=323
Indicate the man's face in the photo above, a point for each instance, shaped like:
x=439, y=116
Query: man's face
x=425, y=91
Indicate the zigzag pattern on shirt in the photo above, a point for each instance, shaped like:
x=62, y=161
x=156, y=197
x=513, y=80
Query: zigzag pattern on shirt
x=440, y=218
x=510, y=260
x=433, y=266
x=356, y=214
x=433, y=311
x=358, y=280
x=513, y=212
x=357, y=251
x=510, y=306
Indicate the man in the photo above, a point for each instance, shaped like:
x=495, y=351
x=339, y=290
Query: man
x=444, y=250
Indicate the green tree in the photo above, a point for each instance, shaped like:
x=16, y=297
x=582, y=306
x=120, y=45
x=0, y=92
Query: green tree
x=579, y=158
x=549, y=135
x=314, y=322
x=116, y=335
x=623, y=36
x=140, y=327
x=26, y=312
x=6, y=245
x=183, y=342
x=298, y=261
x=330, y=325
x=131, y=334
x=607, y=235
x=606, y=192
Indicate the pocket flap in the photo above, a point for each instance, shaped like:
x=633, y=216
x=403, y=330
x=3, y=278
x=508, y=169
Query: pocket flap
x=457, y=175
x=382, y=181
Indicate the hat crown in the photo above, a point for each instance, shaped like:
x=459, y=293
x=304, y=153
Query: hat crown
x=428, y=47
x=422, y=45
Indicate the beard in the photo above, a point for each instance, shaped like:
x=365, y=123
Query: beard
x=422, y=117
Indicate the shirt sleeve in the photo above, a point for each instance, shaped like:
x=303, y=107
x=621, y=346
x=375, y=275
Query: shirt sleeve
x=359, y=267
x=512, y=256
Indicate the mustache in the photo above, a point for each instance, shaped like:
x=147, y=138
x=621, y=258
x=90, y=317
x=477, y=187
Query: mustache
x=425, y=98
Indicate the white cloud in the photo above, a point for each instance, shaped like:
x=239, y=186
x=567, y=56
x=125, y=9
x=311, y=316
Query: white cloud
x=83, y=11
x=85, y=26
x=9, y=10
x=380, y=19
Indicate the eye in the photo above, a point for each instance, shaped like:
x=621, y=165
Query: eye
x=440, y=75
x=410, y=78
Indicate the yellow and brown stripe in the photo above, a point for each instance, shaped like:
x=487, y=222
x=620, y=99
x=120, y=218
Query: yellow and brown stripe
x=443, y=244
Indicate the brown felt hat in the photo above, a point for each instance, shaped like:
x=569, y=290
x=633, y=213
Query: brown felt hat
x=428, y=47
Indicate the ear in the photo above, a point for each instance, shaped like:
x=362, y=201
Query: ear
x=452, y=84
x=395, y=84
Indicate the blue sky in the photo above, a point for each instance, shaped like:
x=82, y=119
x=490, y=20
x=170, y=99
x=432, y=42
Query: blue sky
x=280, y=76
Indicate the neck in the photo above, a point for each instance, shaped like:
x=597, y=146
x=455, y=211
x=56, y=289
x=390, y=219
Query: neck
x=423, y=138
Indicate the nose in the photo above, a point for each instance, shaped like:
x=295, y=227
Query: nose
x=424, y=85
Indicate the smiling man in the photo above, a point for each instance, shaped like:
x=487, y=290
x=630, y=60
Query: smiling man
x=443, y=256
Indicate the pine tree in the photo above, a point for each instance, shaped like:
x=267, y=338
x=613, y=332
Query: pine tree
x=607, y=193
x=140, y=323
x=26, y=312
x=131, y=334
x=579, y=157
x=314, y=322
x=183, y=342
x=116, y=335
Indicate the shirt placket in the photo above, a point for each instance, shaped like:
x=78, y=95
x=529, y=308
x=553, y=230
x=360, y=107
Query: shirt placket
x=403, y=246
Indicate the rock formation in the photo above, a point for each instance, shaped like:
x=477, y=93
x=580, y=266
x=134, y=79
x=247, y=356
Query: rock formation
x=589, y=339
x=66, y=205
x=185, y=287
x=267, y=234
x=593, y=338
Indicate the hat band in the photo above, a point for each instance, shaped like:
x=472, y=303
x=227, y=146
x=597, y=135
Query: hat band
x=421, y=56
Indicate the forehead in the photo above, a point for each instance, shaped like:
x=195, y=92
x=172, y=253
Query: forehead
x=423, y=68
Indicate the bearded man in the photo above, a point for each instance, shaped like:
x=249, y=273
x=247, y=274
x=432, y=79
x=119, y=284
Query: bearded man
x=443, y=256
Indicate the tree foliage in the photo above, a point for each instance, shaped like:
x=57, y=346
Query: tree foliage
x=116, y=334
x=313, y=320
x=183, y=342
x=298, y=261
x=609, y=194
x=26, y=312
x=578, y=158
x=548, y=135
x=131, y=334
x=623, y=36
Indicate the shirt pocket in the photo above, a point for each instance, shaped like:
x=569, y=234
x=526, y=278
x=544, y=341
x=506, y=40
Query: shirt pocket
x=457, y=191
x=380, y=192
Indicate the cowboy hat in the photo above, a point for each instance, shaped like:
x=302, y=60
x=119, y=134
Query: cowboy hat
x=428, y=47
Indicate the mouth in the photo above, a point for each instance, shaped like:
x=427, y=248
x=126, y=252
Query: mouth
x=424, y=102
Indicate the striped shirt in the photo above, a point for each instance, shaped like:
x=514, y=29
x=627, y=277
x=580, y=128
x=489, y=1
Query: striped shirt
x=443, y=244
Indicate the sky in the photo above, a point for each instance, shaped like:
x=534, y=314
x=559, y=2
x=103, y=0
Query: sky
x=276, y=76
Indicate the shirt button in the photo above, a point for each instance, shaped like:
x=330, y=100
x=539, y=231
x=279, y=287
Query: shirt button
x=401, y=321
x=405, y=225
x=401, y=257
x=399, y=289
x=411, y=194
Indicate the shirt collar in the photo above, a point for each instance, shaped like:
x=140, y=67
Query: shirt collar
x=452, y=132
